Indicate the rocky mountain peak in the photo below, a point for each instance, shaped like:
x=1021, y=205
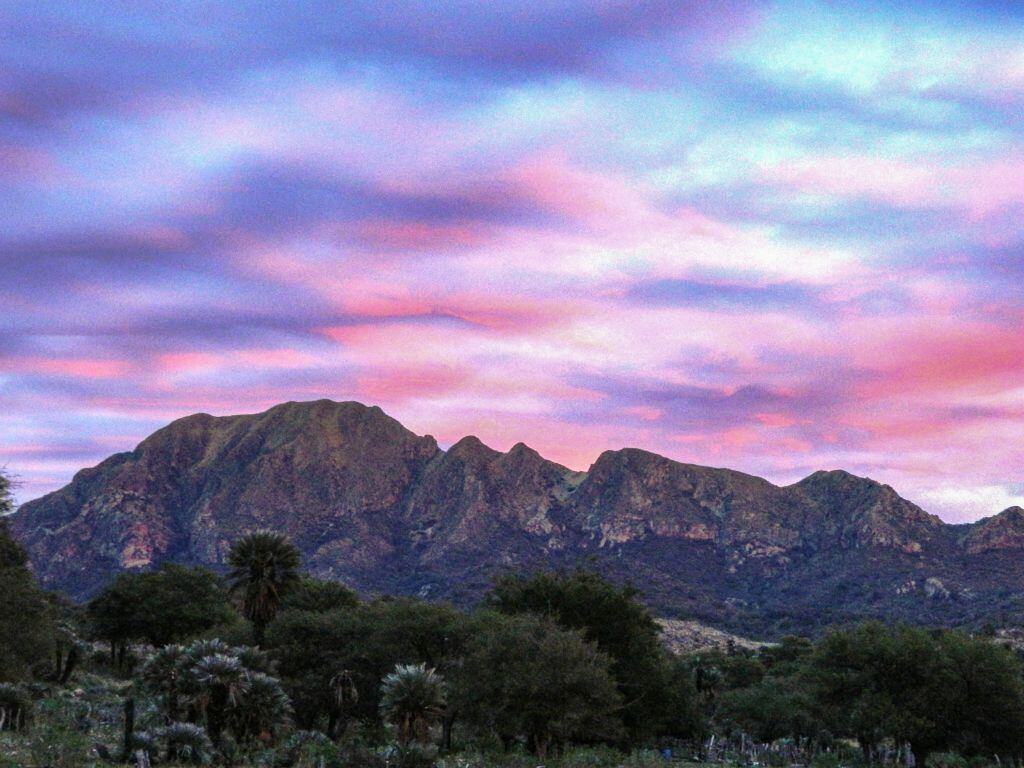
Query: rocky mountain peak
x=374, y=505
x=1004, y=531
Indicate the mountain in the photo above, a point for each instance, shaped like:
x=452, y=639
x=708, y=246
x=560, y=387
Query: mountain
x=387, y=511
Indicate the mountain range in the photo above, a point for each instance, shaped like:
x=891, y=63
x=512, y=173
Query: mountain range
x=384, y=510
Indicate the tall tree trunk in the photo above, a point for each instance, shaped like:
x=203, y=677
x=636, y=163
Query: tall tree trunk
x=129, y=728
x=447, y=723
x=215, y=715
x=69, y=664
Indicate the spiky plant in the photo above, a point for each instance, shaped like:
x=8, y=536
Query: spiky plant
x=255, y=659
x=412, y=699
x=200, y=649
x=187, y=743
x=220, y=682
x=263, y=567
x=163, y=672
x=263, y=709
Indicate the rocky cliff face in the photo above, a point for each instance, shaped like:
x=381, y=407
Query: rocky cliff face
x=376, y=506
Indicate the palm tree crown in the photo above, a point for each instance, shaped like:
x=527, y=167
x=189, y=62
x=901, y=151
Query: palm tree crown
x=412, y=698
x=263, y=566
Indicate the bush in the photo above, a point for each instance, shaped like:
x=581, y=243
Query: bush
x=303, y=746
x=186, y=743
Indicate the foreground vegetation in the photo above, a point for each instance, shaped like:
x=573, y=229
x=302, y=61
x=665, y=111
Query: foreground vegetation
x=271, y=667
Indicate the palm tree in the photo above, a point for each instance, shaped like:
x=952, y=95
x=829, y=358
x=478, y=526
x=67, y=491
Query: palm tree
x=412, y=699
x=344, y=696
x=263, y=709
x=220, y=683
x=263, y=566
x=162, y=674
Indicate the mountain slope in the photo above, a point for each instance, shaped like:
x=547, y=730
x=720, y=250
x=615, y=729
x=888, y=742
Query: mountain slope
x=372, y=504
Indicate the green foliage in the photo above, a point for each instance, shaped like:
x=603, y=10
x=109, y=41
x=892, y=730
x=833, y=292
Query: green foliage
x=771, y=709
x=526, y=676
x=318, y=596
x=264, y=566
x=173, y=604
x=186, y=743
x=226, y=688
x=308, y=748
x=412, y=699
x=934, y=692
x=263, y=708
x=349, y=651
x=6, y=506
x=614, y=619
x=28, y=630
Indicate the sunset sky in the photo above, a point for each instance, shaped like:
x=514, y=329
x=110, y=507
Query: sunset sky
x=778, y=237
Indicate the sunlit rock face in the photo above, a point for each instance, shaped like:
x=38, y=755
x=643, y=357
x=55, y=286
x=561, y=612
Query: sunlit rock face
x=374, y=505
x=1004, y=532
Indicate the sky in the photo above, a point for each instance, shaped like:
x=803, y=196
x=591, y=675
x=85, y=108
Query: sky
x=773, y=236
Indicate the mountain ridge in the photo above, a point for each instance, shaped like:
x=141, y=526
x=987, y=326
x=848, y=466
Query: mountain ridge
x=373, y=504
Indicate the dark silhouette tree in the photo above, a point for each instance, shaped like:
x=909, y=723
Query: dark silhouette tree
x=412, y=699
x=264, y=566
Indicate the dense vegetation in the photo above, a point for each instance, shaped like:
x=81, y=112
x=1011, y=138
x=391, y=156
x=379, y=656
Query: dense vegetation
x=271, y=667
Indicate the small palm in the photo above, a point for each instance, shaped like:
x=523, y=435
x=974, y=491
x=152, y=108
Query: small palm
x=412, y=699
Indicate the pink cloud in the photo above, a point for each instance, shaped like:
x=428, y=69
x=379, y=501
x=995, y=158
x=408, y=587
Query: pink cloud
x=84, y=368
x=979, y=187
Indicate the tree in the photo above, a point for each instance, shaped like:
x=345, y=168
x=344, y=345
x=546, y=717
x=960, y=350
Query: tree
x=987, y=696
x=614, y=619
x=162, y=673
x=264, y=566
x=875, y=682
x=27, y=627
x=263, y=708
x=171, y=605
x=6, y=497
x=524, y=676
x=219, y=682
x=312, y=594
x=771, y=709
x=356, y=648
x=412, y=698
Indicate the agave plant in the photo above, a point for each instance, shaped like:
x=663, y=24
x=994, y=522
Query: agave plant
x=264, y=707
x=412, y=699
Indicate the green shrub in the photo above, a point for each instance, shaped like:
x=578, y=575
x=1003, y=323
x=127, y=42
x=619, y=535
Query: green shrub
x=947, y=760
x=304, y=748
x=186, y=743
